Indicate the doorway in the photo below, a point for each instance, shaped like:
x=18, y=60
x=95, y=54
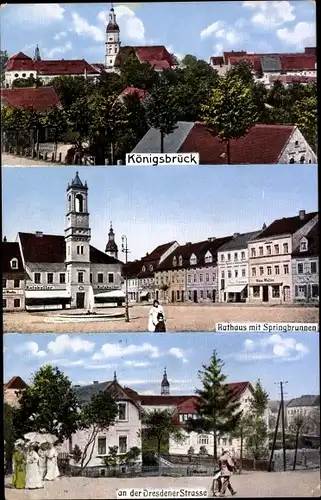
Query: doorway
x=183, y=296
x=195, y=296
x=265, y=294
x=173, y=296
x=80, y=300
x=286, y=294
x=214, y=295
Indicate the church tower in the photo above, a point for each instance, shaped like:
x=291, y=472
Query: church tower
x=165, y=385
x=37, y=54
x=111, y=247
x=112, y=41
x=77, y=238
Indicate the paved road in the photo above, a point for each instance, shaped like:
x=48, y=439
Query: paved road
x=17, y=161
x=248, y=485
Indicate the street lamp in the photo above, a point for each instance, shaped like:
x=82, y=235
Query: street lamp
x=124, y=249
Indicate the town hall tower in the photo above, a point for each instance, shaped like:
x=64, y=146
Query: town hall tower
x=112, y=41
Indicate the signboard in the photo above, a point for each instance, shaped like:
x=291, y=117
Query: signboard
x=39, y=287
x=264, y=280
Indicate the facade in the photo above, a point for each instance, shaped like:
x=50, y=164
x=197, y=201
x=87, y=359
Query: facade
x=124, y=434
x=263, y=144
x=305, y=268
x=307, y=406
x=64, y=271
x=13, y=277
x=233, y=266
x=11, y=390
x=270, y=266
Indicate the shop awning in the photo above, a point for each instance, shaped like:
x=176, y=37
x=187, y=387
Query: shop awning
x=117, y=294
x=144, y=294
x=235, y=288
x=47, y=294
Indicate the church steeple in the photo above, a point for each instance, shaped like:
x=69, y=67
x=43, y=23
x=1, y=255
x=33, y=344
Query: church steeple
x=37, y=54
x=165, y=384
x=111, y=247
x=112, y=41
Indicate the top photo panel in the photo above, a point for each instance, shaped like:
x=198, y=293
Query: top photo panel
x=154, y=84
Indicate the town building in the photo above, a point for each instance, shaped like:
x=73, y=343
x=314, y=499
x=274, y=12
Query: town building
x=41, y=99
x=267, y=68
x=232, y=264
x=64, y=271
x=305, y=267
x=308, y=407
x=270, y=266
x=13, y=277
x=12, y=390
x=263, y=144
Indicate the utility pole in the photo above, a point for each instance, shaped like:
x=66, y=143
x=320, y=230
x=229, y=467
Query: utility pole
x=274, y=438
x=283, y=424
x=124, y=249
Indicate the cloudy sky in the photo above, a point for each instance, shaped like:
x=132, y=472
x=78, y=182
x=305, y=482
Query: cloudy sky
x=154, y=205
x=139, y=359
x=203, y=29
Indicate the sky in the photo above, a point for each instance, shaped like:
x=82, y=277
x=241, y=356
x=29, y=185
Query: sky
x=139, y=359
x=203, y=29
x=156, y=205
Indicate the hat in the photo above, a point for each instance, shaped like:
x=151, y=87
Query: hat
x=19, y=442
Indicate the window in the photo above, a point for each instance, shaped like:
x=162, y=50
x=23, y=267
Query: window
x=277, y=269
x=62, y=278
x=302, y=159
x=253, y=252
x=243, y=273
x=214, y=276
x=174, y=262
x=207, y=277
x=195, y=278
x=201, y=294
x=201, y=278
x=222, y=274
x=91, y=277
x=235, y=256
x=80, y=277
x=300, y=268
x=79, y=203
x=269, y=270
x=16, y=75
x=242, y=255
x=122, y=411
x=100, y=277
x=275, y=292
x=229, y=274
x=285, y=248
x=253, y=271
x=23, y=75
x=315, y=291
x=277, y=249
x=260, y=250
x=178, y=295
x=50, y=278
x=286, y=269
x=222, y=257
x=228, y=256
x=37, y=278
x=208, y=258
x=256, y=291
x=268, y=250
x=236, y=273
x=193, y=260
x=16, y=283
x=303, y=246
x=102, y=446
x=16, y=303
x=110, y=277
x=203, y=439
x=122, y=444
x=14, y=264
x=80, y=250
x=291, y=160
x=4, y=304
x=180, y=261
x=4, y=283
x=301, y=291
x=313, y=267
x=261, y=270
x=188, y=278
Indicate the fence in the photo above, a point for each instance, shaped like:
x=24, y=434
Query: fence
x=306, y=459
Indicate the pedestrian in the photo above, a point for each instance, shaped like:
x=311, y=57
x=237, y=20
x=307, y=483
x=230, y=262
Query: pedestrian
x=33, y=474
x=227, y=466
x=19, y=465
x=217, y=483
x=156, y=320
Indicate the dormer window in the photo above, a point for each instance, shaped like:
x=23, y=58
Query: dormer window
x=180, y=260
x=208, y=258
x=193, y=260
x=303, y=246
x=143, y=269
x=174, y=262
x=151, y=267
x=14, y=263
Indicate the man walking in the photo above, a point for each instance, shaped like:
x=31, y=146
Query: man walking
x=227, y=466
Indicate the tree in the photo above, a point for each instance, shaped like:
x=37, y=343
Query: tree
x=16, y=126
x=231, y=110
x=3, y=61
x=96, y=416
x=79, y=121
x=49, y=404
x=305, y=117
x=256, y=424
x=244, y=70
x=31, y=81
x=137, y=74
x=71, y=89
x=55, y=119
x=160, y=426
x=162, y=110
x=9, y=433
x=218, y=408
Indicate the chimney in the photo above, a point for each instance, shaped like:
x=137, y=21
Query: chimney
x=212, y=238
x=39, y=234
x=302, y=214
x=77, y=386
x=95, y=382
x=188, y=243
x=264, y=225
x=5, y=239
x=235, y=235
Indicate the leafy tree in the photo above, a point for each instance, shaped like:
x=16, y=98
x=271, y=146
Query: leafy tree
x=255, y=422
x=9, y=433
x=137, y=74
x=71, y=89
x=3, y=61
x=55, y=119
x=129, y=458
x=218, y=408
x=160, y=426
x=231, y=110
x=203, y=451
x=190, y=453
x=136, y=126
x=31, y=81
x=162, y=110
x=15, y=126
x=49, y=404
x=305, y=117
x=96, y=416
x=76, y=454
x=244, y=70
x=79, y=120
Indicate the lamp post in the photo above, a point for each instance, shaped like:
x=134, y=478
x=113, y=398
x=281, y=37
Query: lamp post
x=124, y=249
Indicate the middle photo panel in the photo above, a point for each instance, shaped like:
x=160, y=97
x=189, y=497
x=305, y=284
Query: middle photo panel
x=127, y=249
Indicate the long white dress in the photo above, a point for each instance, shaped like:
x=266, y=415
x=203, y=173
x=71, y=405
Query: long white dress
x=33, y=475
x=42, y=462
x=52, y=465
x=152, y=320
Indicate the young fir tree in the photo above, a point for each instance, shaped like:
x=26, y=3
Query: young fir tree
x=218, y=408
x=256, y=422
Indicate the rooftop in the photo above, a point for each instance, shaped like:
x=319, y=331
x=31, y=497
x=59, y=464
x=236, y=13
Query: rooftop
x=287, y=225
x=42, y=98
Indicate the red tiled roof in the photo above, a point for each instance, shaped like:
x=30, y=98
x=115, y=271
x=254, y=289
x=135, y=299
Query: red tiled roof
x=287, y=225
x=50, y=248
x=133, y=90
x=227, y=55
x=313, y=244
x=253, y=59
x=15, y=383
x=292, y=78
x=153, y=53
x=160, y=64
x=217, y=60
x=9, y=251
x=50, y=67
x=263, y=144
x=298, y=62
x=42, y=98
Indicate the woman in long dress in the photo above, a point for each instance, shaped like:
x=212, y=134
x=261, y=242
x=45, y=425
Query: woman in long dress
x=42, y=452
x=19, y=466
x=33, y=475
x=52, y=464
x=155, y=311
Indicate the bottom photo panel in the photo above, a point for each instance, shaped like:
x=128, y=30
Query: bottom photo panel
x=130, y=415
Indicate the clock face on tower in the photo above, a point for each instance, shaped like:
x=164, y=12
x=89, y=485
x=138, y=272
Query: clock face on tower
x=81, y=219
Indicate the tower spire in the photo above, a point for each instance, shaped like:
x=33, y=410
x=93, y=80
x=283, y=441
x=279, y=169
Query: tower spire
x=165, y=384
x=111, y=247
x=115, y=376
